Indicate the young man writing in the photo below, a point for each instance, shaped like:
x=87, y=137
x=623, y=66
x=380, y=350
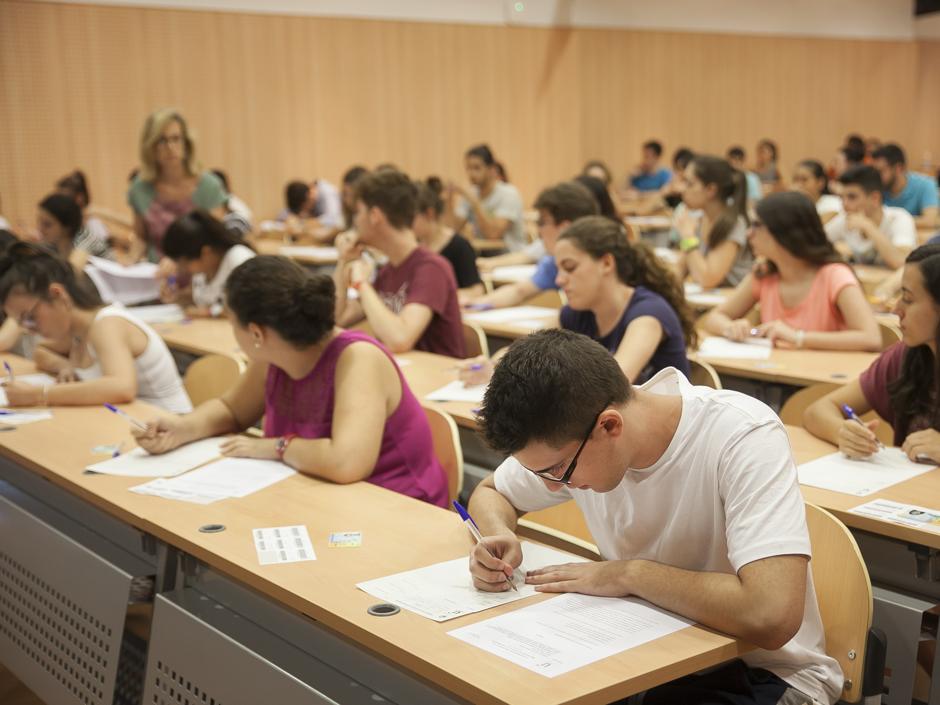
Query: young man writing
x=558, y=207
x=690, y=494
x=412, y=304
x=915, y=193
x=868, y=231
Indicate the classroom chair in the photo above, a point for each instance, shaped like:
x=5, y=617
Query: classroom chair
x=702, y=374
x=792, y=411
x=843, y=591
x=475, y=340
x=565, y=517
x=210, y=376
x=889, y=335
x=557, y=539
x=447, y=448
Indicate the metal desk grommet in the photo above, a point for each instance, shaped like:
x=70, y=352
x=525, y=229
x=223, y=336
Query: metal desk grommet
x=383, y=609
x=212, y=528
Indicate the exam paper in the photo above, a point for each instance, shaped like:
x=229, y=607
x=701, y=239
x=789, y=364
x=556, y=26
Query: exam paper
x=19, y=418
x=571, y=631
x=130, y=285
x=753, y=349
x=455, y=391
x=162, y=313
x=860, y=477
x=695, y=294
x=36, y=380
x=445, y=590
x=324, y=253
x=283, y=544
x=905, y=514
x=511, y=315
x=514, y=273
x=231, y=477
x=140, y=463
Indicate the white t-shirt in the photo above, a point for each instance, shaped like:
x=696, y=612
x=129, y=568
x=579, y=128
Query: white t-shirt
x=502, y=202
x=158, y=381
x=828, y=203
x=208, y=293
x=896, y=223
x=724, y=494
x=329, y=208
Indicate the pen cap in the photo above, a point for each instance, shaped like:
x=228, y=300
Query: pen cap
x=847, y=411
x=461, y=511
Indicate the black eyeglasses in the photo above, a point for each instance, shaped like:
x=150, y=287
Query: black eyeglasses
x=566, y=478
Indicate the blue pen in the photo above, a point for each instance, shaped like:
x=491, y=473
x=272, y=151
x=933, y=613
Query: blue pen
x=11, y=378
x=477, y=536
x=849, y=413
x=119, y=412
x=117, y=451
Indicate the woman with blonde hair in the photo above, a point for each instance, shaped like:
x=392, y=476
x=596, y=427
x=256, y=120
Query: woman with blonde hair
x=171, y=182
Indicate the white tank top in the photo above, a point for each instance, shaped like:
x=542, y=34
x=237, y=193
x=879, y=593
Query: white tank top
x=158, y=381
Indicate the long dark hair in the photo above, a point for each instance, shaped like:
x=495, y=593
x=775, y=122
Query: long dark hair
x=637, y=264
x=188, y=234
x=76, y=186
x=604, y=202
x=33, y=269
x=280, y=294
x=794, y=223
x=65, y=210
x=914, y=392
x=731, y=188
x=816, y=169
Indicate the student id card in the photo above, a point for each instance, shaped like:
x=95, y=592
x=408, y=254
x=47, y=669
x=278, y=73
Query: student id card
x=345, y=539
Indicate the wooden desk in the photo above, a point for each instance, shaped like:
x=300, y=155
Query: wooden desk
x=799, y=368
x=399, y=533
x=312, y=255
x=426, y=372
x=482, y=245
x=200, y=336
x=528, y=321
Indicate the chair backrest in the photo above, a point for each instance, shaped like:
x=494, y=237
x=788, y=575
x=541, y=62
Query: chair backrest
x=446, y=447
x=565, y=517
x=889, y=335
x=843, y=592
x=557, y=539
x=703, y=374
x=475, y=340
x=550, y=298
x=792, y=411
x=210, y=376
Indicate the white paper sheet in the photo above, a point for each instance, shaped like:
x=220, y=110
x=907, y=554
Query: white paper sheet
x=905, y=514
x=557, y=636
x=36, y=380
x=162, y=313
x=514, y=273
x=698, y=296
x=323, y=253
x=19, y=418
x=283, y=544
x=651, y=221
x=140, y=463
x=127, y=285
x=666, y=255
x=231, y=477
x=455, y=391
x=511, y=314
x=445, y=590
x=753, y=349
x=860, y=477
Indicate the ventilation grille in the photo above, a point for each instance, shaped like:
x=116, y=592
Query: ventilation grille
x=71, y=644
x=171, y=687
x=128, y=689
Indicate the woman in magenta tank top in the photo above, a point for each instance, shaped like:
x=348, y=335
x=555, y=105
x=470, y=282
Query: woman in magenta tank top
x=335, y=403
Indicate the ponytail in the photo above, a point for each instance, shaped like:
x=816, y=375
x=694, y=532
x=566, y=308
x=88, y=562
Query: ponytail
x=637, y=265
x=731, y=187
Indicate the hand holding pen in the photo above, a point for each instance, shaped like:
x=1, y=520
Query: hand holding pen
x=491, y=557
x=856, y=438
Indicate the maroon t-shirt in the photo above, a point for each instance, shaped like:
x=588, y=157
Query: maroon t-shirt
x=874, y=382
x=426, y=278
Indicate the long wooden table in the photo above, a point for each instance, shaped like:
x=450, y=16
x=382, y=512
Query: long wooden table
x=399, y=533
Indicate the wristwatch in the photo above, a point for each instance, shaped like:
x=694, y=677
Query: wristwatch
x=280, y=445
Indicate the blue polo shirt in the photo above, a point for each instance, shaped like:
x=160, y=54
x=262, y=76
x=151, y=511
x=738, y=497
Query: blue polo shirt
x=920, y=193
x=546, y=272
x=651, y=182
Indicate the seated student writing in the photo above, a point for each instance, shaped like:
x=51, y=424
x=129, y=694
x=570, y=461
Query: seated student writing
x=114, y=357
x=902, y=385
x=202, y=247
x=808, y=296
x=412, y=304
x=436, y=237
x=732, y=549
x=59, y=223
x=714, y=245
x=868, y=231
x=334, y=402
x=558, y=207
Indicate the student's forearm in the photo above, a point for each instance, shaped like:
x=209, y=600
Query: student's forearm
x=869, y=341
x=104, y=390
x=892, y=256
x=716, y=322
x=717, y=600
x=471, y=292
x=823, y=419
x=328, y=459
x=509, y=295
x=387, y=325
x=485, y=224
x=340, y=284
x=49, y=361
x=492, y=512
x=702, y=272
